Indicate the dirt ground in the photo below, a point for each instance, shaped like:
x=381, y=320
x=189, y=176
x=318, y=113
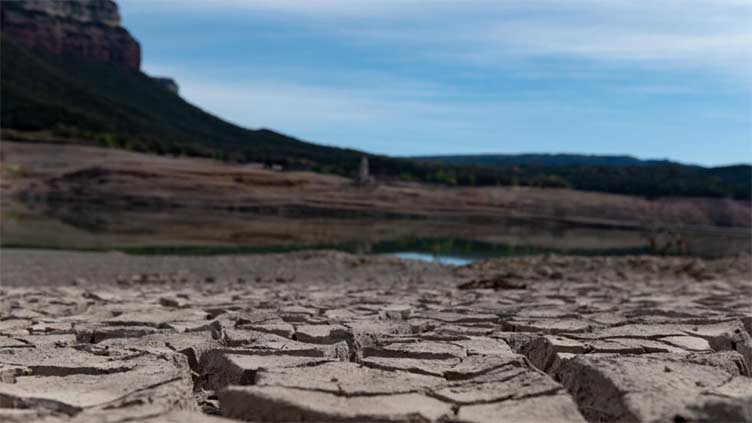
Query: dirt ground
x=329, y=336
x=119, y=179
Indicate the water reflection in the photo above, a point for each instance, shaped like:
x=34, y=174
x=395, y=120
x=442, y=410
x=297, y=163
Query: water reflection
x=450, y=240
x=436, y=258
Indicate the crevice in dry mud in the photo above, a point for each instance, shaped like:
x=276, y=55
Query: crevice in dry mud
x=506, y=398
x=593, y=413
x=597, y=398
x=249, y=377
x=16, y=402
x=135, y=418
x=412, y=370
x=60, y=371
x=134, y=392
x=466, y=378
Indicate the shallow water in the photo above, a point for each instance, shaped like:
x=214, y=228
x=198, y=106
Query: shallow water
x=436, y=258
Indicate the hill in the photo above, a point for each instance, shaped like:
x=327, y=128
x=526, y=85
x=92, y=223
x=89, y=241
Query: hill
x=122, y=107
x=562, y=159
x=622, y=174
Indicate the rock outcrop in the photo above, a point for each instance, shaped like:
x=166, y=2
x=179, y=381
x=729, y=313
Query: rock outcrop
x=168, y=83
x=86, y=28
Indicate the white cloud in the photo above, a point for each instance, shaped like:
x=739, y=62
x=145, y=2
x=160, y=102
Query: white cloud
x=367, y=111
x=713, y=36
x=279, y=103
x=382, y=114
x=726, y=55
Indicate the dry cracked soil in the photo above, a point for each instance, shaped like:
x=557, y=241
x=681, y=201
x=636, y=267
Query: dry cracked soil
x=325, y=336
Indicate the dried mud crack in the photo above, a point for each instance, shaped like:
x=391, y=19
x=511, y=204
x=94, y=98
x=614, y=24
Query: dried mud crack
x=372, y=339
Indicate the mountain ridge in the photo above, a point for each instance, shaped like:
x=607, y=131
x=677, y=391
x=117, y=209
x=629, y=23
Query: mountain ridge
x=559, y=159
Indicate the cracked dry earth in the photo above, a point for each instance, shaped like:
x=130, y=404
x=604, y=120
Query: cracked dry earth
x=324, y=336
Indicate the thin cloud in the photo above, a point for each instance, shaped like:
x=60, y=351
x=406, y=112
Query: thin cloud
x=395, y=116
x=712, y=36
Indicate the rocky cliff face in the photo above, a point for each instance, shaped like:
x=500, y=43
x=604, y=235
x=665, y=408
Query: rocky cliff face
x=87, y=28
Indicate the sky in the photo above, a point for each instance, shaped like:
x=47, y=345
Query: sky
x=653, y=79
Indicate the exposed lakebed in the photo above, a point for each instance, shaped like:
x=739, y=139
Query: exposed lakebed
x=330, y=336
x=448, y=241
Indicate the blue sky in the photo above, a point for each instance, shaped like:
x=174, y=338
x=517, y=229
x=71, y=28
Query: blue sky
x=654, y=79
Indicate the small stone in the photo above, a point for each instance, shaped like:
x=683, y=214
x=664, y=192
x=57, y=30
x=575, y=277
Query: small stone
x=396, y=312
x=321, y=334
x=174, y=302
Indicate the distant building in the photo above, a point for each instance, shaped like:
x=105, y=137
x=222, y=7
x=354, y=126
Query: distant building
x=364, y=177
